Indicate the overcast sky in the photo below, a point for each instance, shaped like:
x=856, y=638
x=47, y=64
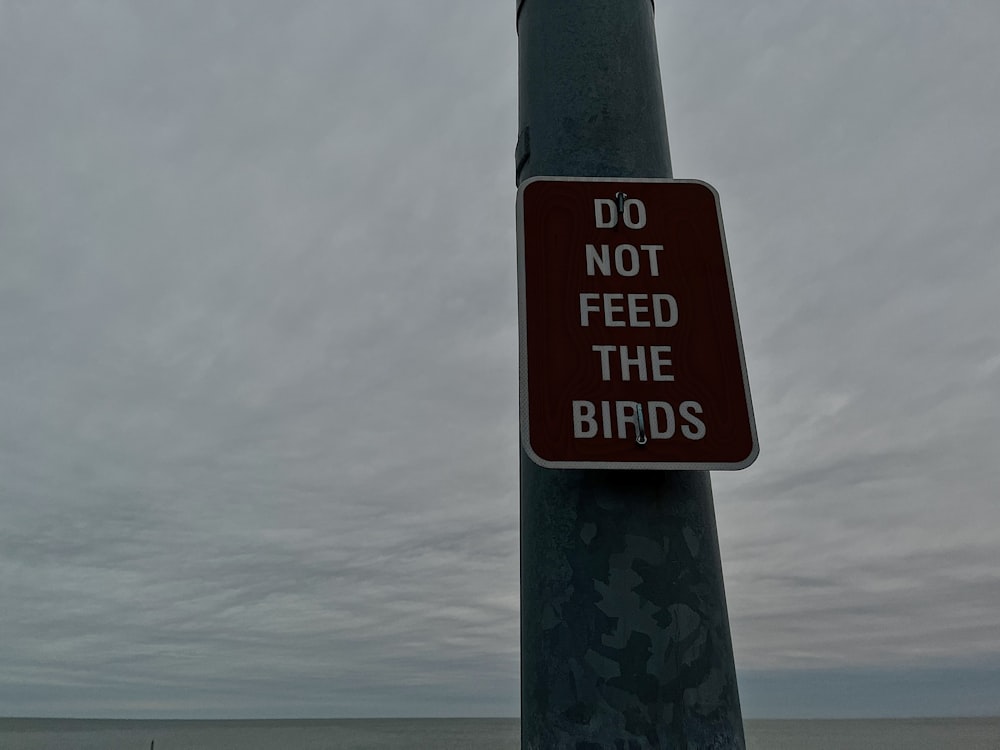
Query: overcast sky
x=258, y=336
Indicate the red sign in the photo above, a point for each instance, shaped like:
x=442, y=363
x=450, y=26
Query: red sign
x=630, y=346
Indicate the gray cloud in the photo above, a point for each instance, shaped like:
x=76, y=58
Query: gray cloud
x=258, y=381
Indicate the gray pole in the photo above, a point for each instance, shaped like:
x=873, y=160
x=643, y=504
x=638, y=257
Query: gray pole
x=624, y=632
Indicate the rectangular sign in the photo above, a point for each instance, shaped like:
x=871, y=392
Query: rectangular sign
x=631, y=355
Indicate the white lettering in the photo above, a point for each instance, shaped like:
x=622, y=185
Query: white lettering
x=656, y=431
x=634, y=308
x=697, y=429
x=625, y=419
x=599, y=221
x=610, y=310
x=639, y=362
x=638, y=221
x=654, y=266
x=586, y=308
x=584, y=424
x=670, y=320
x=630, y=269
x=602, y=262
x=616, y=416
x=604, y=351
x=660, y=363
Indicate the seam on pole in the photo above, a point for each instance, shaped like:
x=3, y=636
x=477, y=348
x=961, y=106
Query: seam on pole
x=521, y=152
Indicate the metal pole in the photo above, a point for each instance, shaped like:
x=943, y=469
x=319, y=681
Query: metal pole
x=625, y=637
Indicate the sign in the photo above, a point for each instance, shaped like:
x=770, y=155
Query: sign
x=630, y=346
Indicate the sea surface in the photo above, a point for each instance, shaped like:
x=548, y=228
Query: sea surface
x=463, y=734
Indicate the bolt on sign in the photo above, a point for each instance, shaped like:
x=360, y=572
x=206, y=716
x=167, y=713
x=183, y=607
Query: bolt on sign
x=630, y=345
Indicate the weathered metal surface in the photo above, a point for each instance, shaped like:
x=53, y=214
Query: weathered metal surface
x=520, y=4
x=589, y=88
x=624, y=630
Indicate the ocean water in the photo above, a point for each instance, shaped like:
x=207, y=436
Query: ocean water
x=348, y=734
x=464, y=734
x=874, y=734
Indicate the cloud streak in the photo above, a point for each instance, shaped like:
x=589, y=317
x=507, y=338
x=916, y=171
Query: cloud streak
x=258, y=376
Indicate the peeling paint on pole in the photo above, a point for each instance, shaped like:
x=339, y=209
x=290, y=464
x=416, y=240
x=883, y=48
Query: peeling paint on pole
x=624, y=630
